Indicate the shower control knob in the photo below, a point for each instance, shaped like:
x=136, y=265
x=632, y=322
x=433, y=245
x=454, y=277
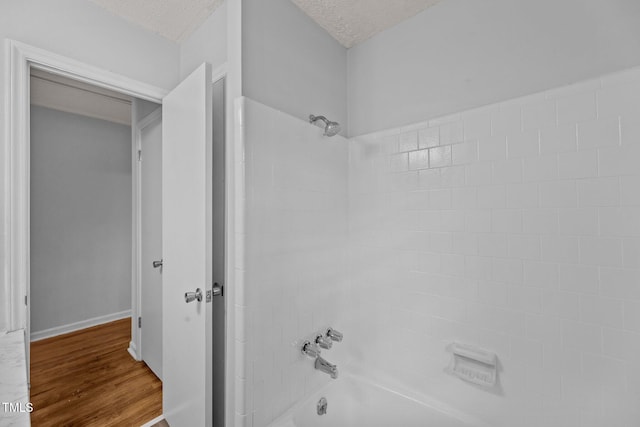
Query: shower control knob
x=310, y=350
x=323, y=342
x=334, y=335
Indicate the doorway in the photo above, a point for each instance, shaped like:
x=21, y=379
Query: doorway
x=86, y=208
x=187, y=144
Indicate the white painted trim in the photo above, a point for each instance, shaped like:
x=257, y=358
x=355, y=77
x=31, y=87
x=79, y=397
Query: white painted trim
x=132, y=350
x=17, y=185
x=219, y=73
x=235, y=231
x=233, y=156
x=153, y=421
x=6, y=287
x=135, y=231
x=76, y=326
x=135, y=347
x=96, y=76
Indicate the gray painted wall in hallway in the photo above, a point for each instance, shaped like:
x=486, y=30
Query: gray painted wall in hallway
x=80, y=218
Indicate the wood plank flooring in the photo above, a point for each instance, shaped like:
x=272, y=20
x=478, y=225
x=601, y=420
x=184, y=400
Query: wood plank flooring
x=87, y=378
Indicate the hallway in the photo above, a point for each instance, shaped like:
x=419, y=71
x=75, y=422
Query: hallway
x=87, y=378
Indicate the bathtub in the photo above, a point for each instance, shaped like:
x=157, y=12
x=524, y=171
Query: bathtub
x=353, y=401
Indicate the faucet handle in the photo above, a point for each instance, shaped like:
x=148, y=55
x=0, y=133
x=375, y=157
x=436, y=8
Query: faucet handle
x=334, y=335
x=310, y=350
x=323, y=342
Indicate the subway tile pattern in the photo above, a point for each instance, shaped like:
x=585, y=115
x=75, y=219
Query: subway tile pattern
x=291, y=256
x=514, y=227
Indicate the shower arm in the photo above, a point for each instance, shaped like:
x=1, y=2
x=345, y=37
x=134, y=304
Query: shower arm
x=313, y=119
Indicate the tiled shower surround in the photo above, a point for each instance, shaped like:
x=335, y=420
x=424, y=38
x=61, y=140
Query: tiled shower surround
x=514, y=227
x=295, y=259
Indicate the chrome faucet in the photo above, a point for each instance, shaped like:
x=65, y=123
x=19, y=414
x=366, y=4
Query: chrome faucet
x=312, y=349
x=326, y=367
x=323, y=342
x=334, y=335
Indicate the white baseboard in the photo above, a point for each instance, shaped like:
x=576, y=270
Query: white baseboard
x=133, y=351
x=153, y=421
x=71, y=327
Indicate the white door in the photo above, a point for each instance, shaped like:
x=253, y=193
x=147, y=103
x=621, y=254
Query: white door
x=186, y=250
x=151, y=240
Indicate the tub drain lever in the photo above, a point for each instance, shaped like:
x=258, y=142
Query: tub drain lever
x=322, y=406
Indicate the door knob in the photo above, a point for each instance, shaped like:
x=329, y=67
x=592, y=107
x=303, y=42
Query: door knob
x=157, y=264
x=191, y=296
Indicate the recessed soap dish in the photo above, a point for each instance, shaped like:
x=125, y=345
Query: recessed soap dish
x=474, y=364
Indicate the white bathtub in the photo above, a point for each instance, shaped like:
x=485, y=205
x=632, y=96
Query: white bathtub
x=355, y=402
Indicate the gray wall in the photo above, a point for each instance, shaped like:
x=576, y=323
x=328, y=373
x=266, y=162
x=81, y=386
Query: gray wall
x=81, y=30
x=207, y=43
x=465, y=53
x=290, y=63
x=80, y=218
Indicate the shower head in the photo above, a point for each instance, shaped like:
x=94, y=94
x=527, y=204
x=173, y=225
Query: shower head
x=330, y=128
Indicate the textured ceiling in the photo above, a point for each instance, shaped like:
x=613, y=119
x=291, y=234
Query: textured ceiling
x=354, y=21
x=173, y=19
x=348, y=21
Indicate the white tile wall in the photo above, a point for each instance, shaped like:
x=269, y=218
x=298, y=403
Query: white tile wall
x=515, y=227
x=292, y=257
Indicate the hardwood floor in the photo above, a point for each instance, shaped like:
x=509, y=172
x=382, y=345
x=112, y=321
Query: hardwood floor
x=87, y=378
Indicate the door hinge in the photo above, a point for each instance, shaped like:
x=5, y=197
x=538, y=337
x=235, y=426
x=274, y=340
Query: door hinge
x=139, y=322
x=139, y=155
x=26, y=300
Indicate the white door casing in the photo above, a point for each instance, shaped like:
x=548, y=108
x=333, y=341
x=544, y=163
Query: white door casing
x=186, y=247
x=150, y=166
x=20, y=58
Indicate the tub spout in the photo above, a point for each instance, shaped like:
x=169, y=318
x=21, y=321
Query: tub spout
x=326, y=367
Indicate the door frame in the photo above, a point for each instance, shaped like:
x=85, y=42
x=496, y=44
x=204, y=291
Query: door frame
x=15, y=286
x=19, y=59
x=135, y=345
